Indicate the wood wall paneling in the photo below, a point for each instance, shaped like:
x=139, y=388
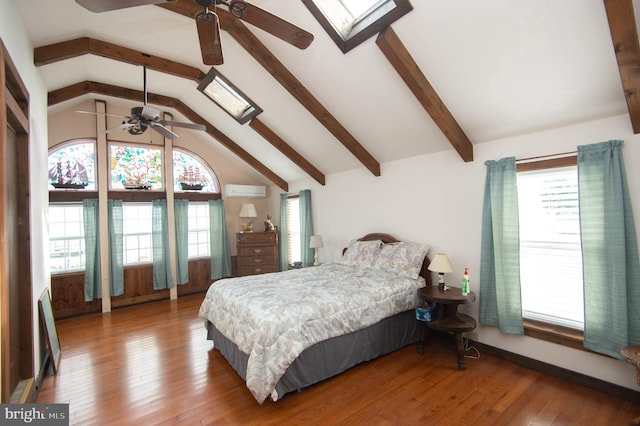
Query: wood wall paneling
x=67, y=290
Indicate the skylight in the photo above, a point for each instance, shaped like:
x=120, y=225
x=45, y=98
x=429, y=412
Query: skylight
x=228, y=97
x=350, y=22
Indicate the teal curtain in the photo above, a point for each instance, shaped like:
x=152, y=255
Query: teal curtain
x=306, y=227
x=92, y=273
x=284, y=232
x=609, y=250
x=500, y=297
x=181, y=212
x=219, y=240
x=162, y=277
x=116, y=248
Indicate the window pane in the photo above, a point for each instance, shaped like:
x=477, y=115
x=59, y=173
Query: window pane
x=199, y=230
x=66, y=238
x=550, y=250
x=193, y=173
x=228, y=97
x=137, y=233
x=136, y=167
x=353, y=21
x=73, y=166
x=293, y=214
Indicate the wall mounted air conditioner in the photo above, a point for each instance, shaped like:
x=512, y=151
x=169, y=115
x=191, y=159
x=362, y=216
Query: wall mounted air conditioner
x=245, y=191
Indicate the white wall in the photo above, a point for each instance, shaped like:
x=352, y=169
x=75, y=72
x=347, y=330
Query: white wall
x=437, y=199
x=21, y=52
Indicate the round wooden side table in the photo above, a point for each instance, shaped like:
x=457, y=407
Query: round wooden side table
x=447, y=319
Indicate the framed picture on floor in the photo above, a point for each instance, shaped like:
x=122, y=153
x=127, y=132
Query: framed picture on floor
x=49, y=325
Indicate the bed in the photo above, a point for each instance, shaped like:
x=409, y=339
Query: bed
x=285, y=331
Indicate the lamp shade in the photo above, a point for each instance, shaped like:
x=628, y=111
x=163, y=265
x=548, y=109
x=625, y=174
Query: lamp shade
x=248, y=210
x=315, y=241
x=441, y=264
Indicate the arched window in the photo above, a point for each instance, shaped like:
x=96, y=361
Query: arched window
x=72, y=165
x=136, y=167
x=191, y=173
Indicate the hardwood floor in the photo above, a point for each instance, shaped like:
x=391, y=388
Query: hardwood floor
x=151, y=364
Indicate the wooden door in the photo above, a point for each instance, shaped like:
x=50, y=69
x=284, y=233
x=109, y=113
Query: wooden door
x=16, y=298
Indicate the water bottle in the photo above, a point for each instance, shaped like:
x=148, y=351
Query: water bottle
x=465, y=282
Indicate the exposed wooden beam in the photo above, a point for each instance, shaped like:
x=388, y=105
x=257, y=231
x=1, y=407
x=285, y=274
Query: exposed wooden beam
x=86, y=87
x=284, y=148
x=233, y=147
x=268, y=60
x=45, y=55
x=624, y=35
x=401, y=60
x=68, y=49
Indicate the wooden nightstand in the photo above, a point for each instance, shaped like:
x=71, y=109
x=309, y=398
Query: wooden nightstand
x=257, y=253
x=447, y=319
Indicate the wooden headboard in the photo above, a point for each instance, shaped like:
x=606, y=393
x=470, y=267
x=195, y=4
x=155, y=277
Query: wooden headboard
x=386, y=239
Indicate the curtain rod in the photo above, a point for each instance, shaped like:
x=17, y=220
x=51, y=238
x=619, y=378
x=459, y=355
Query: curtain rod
x=547, y=157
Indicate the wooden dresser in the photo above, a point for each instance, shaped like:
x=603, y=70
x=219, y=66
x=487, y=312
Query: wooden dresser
x=257, y=253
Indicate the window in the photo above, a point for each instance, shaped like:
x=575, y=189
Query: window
x=350, y=22
x=199, y=230
x=293, y=238
x=66, y=238
x=550, y=248
x=228, y=97
x=136, y=229
x=192, y=174
x=136, y=167
x=72, y=166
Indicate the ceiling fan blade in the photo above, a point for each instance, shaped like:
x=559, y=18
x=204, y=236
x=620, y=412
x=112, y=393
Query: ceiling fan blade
x=272, y=24
x=209, y=35
x=108, y=5
x=163, y=130
x=103, y=113
x=182, y=124
x=119, y=127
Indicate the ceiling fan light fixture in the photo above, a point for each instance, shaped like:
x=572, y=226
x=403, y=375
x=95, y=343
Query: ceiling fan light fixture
x=137, y=128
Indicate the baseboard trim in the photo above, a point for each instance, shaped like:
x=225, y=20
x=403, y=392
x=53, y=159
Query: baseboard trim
x=562, y=373
x=24, y=392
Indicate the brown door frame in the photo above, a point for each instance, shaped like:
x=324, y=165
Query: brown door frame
x=14, y=114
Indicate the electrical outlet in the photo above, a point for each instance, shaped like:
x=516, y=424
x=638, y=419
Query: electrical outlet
x=472, y=335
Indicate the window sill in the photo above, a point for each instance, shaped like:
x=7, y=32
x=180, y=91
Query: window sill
x=555, y=333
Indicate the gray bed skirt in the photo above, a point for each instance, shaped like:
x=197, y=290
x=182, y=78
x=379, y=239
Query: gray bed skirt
x=330, y=357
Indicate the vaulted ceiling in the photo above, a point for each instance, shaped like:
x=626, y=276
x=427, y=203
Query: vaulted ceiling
x=448, y=75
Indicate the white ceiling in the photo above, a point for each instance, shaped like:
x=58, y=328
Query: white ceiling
x=502, y=67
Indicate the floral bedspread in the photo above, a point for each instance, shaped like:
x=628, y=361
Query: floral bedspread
x=274, y=317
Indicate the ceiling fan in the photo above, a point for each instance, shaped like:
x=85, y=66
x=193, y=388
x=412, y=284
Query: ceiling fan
x=143, y=117
x=208, y=23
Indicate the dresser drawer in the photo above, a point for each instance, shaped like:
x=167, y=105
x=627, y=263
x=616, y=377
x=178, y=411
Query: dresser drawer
x=257, y=251
x=257, y=237
x=254, y=270
x=256, y=260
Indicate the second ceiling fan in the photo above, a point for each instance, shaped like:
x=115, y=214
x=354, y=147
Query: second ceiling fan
x=208, y=22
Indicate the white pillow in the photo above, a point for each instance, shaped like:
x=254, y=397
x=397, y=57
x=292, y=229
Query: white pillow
x=361, y=253
x=402, y=258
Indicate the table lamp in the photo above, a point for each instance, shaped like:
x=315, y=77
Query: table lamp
x=248, y=211
x=441, y=265
x=315, y=243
